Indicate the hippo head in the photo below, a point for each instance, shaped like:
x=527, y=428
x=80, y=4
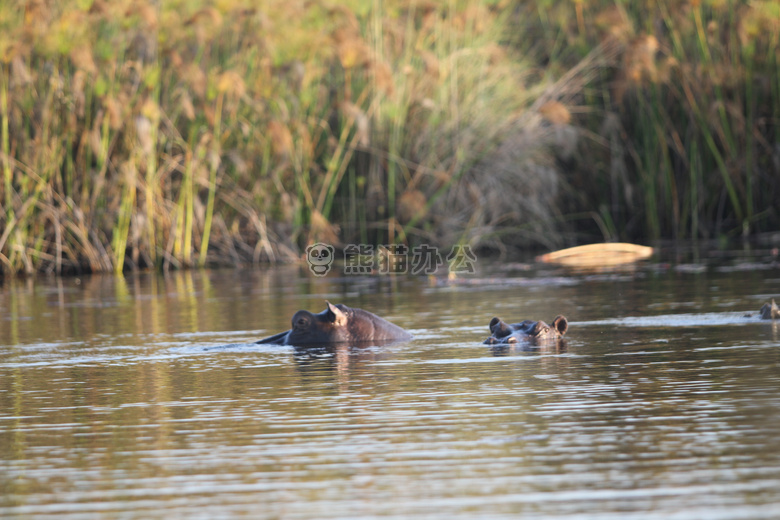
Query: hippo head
x=526, y=331
x=329, y=326
x=337, y=324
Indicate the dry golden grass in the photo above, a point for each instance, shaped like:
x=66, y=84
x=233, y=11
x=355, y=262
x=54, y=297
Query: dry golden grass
x=142, y=134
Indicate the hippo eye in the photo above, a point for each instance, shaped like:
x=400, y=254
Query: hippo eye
x=302, y=322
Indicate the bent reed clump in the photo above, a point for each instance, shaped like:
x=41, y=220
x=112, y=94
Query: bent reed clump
x=143, y=134
x=687, y=115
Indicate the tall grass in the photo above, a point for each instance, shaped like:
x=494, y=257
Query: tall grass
x=171, y=134
x=146, y=134
x=691, y=108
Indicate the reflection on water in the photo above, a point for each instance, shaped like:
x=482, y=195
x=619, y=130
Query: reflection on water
x=141, y=397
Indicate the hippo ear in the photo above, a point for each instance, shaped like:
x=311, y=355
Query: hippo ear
x=336, y=315
x=769, y=312
x=560, y=324
x=499, y=328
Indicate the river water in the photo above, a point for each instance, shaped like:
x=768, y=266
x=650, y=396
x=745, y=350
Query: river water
x=139, y=397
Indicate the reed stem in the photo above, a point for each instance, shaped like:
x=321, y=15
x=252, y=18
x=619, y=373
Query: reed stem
x=216, y=139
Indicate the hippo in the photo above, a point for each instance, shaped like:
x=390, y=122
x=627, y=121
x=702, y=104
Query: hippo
x=528, y=331
x=337, y=324
x=770, y=312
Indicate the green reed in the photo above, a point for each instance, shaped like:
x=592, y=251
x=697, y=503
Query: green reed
x=212, y=182
x=7, y=172
x=193, y=133
x=693, y=102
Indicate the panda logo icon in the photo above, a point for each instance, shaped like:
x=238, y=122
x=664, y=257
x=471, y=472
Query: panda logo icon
x=319, y=257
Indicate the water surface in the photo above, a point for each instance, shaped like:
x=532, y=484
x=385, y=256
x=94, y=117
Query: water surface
x=140, y=397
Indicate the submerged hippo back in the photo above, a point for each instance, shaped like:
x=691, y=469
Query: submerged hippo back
x=365, y=326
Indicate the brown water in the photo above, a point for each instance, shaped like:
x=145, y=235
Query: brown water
x=137, y=397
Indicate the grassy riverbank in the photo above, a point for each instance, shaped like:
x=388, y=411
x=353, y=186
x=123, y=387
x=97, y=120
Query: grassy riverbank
x=184, y=133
